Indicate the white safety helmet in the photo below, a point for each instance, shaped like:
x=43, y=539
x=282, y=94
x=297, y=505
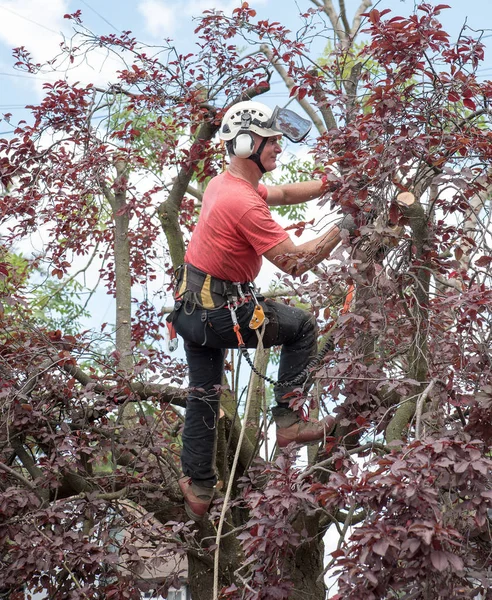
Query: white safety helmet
x=242, y=119
x=245, y=118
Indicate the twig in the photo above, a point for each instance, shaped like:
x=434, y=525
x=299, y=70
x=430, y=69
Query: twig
x=18, y=476
x=343, y=533
x=328, y=461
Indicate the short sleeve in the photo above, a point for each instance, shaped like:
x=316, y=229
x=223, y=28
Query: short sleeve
x=260, y=230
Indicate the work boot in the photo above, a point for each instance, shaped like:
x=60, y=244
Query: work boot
x=197, y=499
x=292, y=426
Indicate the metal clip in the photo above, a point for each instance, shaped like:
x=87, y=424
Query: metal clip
x=236, y=327
x=253, y=295
x=239, y=289
x=232, y=310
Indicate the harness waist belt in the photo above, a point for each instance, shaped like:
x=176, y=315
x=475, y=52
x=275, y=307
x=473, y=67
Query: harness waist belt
x=206, y=291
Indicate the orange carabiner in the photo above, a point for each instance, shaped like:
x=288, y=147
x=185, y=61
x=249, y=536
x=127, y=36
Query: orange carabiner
x=258, y=317
x=348, y=300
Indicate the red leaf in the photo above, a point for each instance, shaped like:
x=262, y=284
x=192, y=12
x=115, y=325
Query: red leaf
x=453, y=96
x=468, y=102
x=381, y=547
x=374, y=16
x=394, y=213
x=455, y=561
x=301, y=93
x=483, y=261
x=439, y=560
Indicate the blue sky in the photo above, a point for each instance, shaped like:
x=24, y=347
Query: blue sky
x=39, y=24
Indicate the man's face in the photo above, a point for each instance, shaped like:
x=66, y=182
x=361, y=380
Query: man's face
x=270, y=152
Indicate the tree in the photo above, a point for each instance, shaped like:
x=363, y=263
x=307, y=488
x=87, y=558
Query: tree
x=90, y=439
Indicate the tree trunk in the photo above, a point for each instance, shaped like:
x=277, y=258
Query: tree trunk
x=200, y=579
x=117, y=201
x=308, y=562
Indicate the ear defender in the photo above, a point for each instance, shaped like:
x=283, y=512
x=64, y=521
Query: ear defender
x=243, y=145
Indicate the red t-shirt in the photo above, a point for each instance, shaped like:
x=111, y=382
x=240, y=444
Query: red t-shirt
x=235, y=228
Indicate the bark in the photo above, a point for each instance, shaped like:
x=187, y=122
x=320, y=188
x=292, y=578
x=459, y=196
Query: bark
x=472, y=228
x=117, y=200
x=262, y=357
x=200, y=578
x=307, y=563
x=201, y=565
x=324, y=108
x=122, y=272
x=233, y=429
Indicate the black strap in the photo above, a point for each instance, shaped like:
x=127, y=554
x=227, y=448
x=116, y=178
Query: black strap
x=208, y=292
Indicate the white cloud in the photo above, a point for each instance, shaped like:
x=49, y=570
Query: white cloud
x=40, y=27
x=160, y=18
x=163, y=18
x=34, y=24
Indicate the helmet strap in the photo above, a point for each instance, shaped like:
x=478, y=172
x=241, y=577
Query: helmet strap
x=256, y=156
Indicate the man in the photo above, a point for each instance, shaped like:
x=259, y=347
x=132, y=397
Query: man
x=234, y=231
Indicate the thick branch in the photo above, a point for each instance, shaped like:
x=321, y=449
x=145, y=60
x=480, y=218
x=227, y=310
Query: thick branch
x=144, y=391
x=25, y=482
x=323, y=106
x=122, y=269
x=418, y=353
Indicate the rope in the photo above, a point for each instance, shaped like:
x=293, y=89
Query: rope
x=232, y=473
x=300, y=378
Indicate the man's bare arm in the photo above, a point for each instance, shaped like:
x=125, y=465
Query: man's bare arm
x=296, y=260
x=294, y=193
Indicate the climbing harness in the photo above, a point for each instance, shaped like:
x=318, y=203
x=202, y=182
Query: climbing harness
x=195, y=288
x=257, y=320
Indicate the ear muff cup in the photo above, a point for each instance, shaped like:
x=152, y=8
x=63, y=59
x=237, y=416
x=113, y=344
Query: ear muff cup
x=243, y=145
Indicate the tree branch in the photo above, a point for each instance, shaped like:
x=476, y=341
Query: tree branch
x=420, y=405
x=290, y=83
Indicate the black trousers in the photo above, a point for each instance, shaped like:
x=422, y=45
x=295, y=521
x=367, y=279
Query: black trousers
x=206, y=335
